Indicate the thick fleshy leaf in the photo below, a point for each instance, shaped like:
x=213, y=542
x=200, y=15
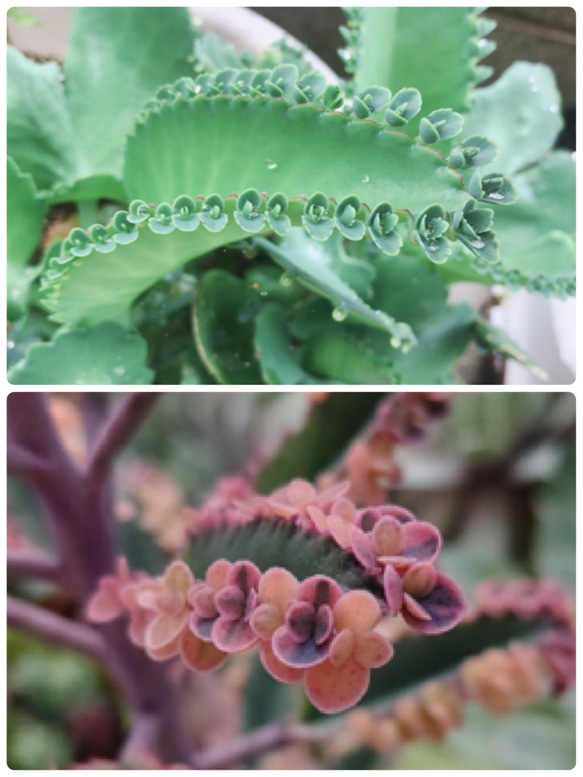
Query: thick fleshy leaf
x=372, y=650
x=445, y=605
x=319, y=590
x=422, y=541
x=341, y=648
x=334, y=689
x=278, y=587
x=166, y=651
x=323, y=624
x=164, y=628
x=217, y=574
x=358, y=611
x=277, y=669
x=103, y=354
x=520, y=112
x=233, y=636
x=202, y=599
x=300, y=621
x=230, y=602
x=361, y=546
x=202, y=627
x=25, y=216
x=297, y=654
x=178, y=578
x=393, y=590
x=388, y=537
x=265, y=620
x=245, y=575
x=198, y=655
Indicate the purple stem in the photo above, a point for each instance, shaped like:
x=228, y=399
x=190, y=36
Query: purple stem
x=33, y=563
x=80, y=514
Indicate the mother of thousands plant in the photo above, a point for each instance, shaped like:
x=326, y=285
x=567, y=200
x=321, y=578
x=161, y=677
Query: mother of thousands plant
x=237, y=219
x=336, y=593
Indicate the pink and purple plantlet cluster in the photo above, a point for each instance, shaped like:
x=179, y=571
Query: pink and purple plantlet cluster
x=315, y=629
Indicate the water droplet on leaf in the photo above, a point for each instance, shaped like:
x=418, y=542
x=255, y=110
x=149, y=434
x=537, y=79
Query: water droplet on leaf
x=271, y=165
x=366, y=179
x=339, y=314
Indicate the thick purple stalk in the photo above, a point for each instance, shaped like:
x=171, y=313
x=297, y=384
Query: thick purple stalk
x=80, y=513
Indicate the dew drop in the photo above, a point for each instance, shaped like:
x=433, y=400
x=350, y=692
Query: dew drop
x=339, y=314
x=286, y=279
x=263, y=294
x=535, y=88
x=554, y=108
x=271, y=165
x=395, y=342
x=495, y=196
x=9, y=344
x=119, y=371
x=366, y=179
x=478, y=244
x=532, y=79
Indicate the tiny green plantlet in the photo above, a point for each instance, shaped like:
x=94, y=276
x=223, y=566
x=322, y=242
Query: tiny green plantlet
x=242, y=220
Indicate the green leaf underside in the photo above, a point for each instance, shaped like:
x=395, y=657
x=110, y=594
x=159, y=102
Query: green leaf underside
x=104, y=354
x=419, y=659
x=223, y=313
x=25, y=215
x=520, y=112
x=329, y=429
x=444, y=40
x=272, y=146
x=277, y=543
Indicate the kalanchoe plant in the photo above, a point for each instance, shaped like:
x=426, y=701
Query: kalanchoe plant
x=342, y=603
x=244, y=220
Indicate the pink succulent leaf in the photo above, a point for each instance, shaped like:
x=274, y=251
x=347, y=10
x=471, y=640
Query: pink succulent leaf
x=300, y=655
x=319, y=590
x=299, y=621
x=388, y=537
x=323, y=624
x=202, y=601
x=230, y=602
x=105, y=604
x=277, y=669
x=318, y=518
x=164, y=628
x=368, y=518
x=202, y=627
x=334, y=689
x=245, y=575
x=396, y=511
x=393, y=587
x=279, y=587
x=167, y=651
x=341, y=647
x=445, y=607
x=372, y=650
x=198, y=655
x=358, y=611
x=233, y=636
x=340, y=530
x=217, y=573
x=422, y=541
x=264, y=620
x=362, y=548
x=329, y=495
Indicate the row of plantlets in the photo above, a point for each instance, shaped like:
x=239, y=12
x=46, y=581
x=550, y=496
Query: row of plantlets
x=245, y=221
x=323, y=588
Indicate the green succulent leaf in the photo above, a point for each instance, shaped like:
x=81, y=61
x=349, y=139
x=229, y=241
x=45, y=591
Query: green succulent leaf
x=103, y=354
x=442, y=124
x=329, y=429
x=116, y=60
x=474, y=151
x=279, y=358
x=180, y=149
x=445, y=41
x=431, y=230
x=520, y=112
x=223, y=315
x=308, y=267
x=25, y=215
